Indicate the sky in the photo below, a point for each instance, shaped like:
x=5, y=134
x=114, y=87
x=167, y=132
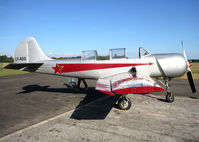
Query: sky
x=67, y=27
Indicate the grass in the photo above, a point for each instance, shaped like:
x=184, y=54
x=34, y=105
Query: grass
x=8, y=72
x=184, y=77
x=4, y=64
x=195, y=68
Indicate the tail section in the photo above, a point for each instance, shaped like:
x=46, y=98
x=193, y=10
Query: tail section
x=28, y=51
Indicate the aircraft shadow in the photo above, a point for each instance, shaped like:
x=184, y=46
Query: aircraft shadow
x=95, y=104
x=97, y=109
x=156, y=97
x=34, y=87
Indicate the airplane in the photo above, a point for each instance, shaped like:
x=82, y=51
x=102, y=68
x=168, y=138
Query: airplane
x=116, y=76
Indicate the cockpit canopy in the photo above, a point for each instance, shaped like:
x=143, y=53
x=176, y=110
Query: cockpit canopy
x=117, y=53
x=89, y=55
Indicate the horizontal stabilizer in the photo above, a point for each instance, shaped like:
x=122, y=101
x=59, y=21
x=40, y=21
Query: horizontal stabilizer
x=31, y=67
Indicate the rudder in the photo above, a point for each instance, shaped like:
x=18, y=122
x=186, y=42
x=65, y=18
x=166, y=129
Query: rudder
x=28, y=51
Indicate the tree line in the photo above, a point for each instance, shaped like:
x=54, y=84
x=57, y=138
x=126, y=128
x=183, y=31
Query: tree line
x=6, y=59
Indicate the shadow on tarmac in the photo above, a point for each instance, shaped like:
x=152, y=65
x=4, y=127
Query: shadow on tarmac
x=83, y=111
x=34, y=87
x=156, y=97
x=95, y=110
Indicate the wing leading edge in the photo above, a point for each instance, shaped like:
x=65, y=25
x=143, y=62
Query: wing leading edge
x=127, y=83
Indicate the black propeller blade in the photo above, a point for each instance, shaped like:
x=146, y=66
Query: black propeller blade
x=191, y=82
x=189, y=74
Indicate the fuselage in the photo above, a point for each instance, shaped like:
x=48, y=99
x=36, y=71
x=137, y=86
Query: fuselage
x=156, y=65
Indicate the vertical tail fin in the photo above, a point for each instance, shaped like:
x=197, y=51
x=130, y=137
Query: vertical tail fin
x=28, y=51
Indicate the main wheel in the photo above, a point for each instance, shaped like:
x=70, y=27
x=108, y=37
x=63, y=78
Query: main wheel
x=169, y=97
x=124, y=103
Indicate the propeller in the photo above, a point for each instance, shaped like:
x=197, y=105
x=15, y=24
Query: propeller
x=189, y=74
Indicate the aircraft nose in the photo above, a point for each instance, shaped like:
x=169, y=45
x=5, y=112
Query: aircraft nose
x=173, y=64
x=183, y=65
x=178, y=66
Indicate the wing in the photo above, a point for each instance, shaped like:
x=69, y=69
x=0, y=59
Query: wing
x=128, y=83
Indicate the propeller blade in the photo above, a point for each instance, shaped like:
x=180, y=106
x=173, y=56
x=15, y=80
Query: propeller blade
x=189, y=74
x=185, y=56
x=191, y=82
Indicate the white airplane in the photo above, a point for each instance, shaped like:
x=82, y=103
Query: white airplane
x=116, y=76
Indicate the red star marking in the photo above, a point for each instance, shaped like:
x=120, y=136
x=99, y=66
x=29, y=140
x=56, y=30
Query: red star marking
x=58, y=68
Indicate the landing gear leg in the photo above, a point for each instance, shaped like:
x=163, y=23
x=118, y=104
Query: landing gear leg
x=85, y=84
x=169, y=95
x=124, y=103
x=79, y=82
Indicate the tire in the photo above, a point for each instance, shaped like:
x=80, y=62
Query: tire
x=124, y=103
x=169, y=97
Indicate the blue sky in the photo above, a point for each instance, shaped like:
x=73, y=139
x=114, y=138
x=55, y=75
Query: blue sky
x=66, y=27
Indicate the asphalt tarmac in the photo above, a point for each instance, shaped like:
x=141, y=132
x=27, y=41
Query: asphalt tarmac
x=29, y=99
x=39, y=102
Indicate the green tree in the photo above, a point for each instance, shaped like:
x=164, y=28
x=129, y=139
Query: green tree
x=5, y=59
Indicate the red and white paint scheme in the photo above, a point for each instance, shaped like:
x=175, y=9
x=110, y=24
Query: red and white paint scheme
x=116, y=76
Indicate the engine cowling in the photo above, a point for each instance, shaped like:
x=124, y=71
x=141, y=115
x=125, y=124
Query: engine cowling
x=171, y=64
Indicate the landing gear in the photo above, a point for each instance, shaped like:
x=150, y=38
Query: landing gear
x=72, y=83
x=169, y=95
x=79, y=82
x=124, y=103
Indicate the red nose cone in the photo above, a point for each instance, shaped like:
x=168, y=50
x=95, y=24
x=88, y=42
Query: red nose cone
x=190, y=64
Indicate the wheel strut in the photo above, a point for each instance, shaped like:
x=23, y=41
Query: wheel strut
x=79, y=82
x=169, y=95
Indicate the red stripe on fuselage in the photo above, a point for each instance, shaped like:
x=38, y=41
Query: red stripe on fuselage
x=74, y=67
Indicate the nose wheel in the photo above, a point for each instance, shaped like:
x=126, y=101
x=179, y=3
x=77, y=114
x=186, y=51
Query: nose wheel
x=124, y=103
x=169, y=95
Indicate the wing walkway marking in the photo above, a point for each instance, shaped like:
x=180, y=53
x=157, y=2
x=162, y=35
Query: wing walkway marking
x=45, y=121
x=155, y=114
